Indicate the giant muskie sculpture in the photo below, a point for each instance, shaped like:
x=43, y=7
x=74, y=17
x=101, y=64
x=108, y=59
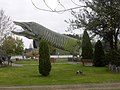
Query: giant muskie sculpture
x=36, y=32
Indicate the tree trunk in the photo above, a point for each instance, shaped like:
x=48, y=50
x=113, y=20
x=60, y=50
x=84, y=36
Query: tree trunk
x=116, y=39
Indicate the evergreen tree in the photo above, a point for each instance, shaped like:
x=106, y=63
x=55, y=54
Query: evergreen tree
x=87, y=51
x=44, y=58
x=99, y=56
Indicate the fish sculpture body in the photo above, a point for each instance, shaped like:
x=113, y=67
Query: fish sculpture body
x=36, y=32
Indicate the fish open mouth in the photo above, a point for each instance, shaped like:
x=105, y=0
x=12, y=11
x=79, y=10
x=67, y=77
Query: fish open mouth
x=27, y=31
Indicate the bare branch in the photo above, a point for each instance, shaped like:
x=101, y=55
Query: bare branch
x=47, y=5
x=75, y=3
x=40, y=8
x=58, y=11
x=61, y=4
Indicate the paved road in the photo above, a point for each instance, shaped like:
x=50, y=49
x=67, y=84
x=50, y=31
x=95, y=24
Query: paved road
x=104, y=86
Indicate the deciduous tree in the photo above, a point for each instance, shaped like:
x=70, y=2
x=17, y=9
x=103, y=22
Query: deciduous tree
x=6, y=26
x=19, y=46
x=13, y=46
x=100, y=17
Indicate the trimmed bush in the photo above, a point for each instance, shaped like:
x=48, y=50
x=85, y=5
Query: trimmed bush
x=44, y=58
x=87, y=51
x=99, y=56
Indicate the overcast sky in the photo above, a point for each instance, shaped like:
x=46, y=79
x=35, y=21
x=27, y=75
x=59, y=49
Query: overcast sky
x=23, y=10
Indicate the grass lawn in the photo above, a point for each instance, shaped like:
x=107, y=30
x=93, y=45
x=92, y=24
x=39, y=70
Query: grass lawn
x=60, y=74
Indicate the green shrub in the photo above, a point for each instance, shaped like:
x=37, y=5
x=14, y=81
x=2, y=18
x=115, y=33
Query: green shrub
x=99, y=56
x=44, y=58
x=87, y=51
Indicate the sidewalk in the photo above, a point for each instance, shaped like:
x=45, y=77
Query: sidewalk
x=101, y=86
